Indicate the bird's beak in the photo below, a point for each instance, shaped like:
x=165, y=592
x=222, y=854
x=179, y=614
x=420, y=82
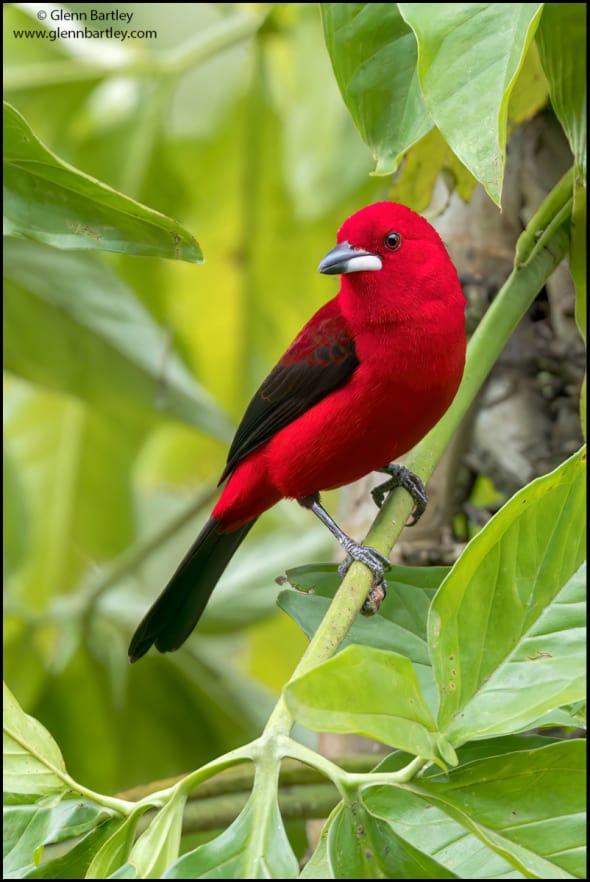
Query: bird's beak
x=345, y=258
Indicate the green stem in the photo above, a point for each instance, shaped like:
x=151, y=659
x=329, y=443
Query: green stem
x=120, y=806
x=237, y=779
x=226, y=33
x=546, y=244
x=249, y=752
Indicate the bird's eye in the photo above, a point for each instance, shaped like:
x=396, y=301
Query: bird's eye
x=392, y=241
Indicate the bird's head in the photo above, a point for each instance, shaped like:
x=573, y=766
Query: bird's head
x=387, y=251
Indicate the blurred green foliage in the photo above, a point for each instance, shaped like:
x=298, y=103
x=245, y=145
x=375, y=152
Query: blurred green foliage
x=124, y=375
x=230, y=122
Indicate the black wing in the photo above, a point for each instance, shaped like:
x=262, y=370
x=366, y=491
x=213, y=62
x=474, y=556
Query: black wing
x=318, y=361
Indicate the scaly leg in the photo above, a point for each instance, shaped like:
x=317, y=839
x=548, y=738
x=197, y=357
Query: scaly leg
x=372, y=558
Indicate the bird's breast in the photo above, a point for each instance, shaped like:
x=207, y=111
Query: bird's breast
x=399, y=390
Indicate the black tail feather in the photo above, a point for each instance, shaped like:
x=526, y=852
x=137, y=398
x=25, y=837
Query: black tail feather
x=179, y=607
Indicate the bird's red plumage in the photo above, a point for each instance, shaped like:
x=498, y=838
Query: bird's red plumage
x=405, y=324
x=370, y=373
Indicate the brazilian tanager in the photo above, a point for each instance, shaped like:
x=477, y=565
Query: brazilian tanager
x=368, y=375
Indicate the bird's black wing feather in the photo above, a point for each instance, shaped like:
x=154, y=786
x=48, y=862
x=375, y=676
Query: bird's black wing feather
x=319, y=360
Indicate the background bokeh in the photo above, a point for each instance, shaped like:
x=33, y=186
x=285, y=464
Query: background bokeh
x=252, y=149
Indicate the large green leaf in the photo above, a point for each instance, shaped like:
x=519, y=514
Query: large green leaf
x=369, y=692
x=33, y=764
x=29, y=828
x=363, y=846
x=531, y=90
x=48, y=200
x=157, y=847
x=528, y=806
x=562, y=41
x=70, y=323
x=114, y=850
x=74, y=863
x=507, y=625
x=523, y=807
x=548, y=660
x=374, y=55
x=469, y=56
x=431, y=831
x=400, y=625
x=255, y=846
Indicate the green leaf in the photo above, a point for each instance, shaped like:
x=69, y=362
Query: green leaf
x=127, y=871
x=33, y=764
x=432, y=831
x=376, y=631
x=71, y=324
x=369, y=692
x=527, y=806
x=399, y=626
x=362, y=846
x=562, y=42
x=319, y=865
x=254, y=846
x=29, y=828
x=50, y=201
x=430, y=828
x=115, y=849
x=498, y=651
x=414, y=183
x=531, y=91
x=74, y=864
x=374, y=55
x=548, y=660
x=158, y=846
x=324, y=579
x=469, y=57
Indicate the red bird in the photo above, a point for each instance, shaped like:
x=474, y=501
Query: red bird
x=370, y=373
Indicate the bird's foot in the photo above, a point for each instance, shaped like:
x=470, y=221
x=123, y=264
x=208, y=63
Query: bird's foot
x=377, y=563
x=371, y=558
x=400, y=476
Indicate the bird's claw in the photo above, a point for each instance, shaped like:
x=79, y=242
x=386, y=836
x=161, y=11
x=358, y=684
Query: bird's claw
x=377, y=563
x=372, y=559
x=400, y=476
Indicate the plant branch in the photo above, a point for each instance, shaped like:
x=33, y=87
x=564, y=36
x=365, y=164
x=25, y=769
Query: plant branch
x=303, y=791
x=236, y=779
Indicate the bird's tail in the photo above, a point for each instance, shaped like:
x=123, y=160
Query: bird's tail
x=179, y=607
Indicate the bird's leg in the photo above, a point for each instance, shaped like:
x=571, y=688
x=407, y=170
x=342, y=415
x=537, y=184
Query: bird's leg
x=400, y=476
x=372, y=558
